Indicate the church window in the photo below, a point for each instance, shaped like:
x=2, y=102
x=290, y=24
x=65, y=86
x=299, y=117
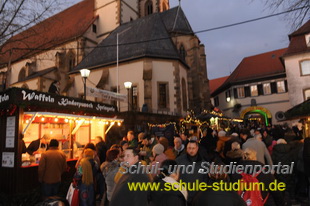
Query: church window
x=163, y=95
x=148, y=8
x=182, y=52
x=22, y=74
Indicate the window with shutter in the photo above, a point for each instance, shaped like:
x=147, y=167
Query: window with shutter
x=273, y=86
x=247, y=91
x=260, y=89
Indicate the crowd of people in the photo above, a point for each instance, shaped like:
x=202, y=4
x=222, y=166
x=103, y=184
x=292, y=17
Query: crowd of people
x=103, y=180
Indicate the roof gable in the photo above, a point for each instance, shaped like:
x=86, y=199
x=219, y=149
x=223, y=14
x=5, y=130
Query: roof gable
x=145, y=37
x=298, y=42
x=70, y=23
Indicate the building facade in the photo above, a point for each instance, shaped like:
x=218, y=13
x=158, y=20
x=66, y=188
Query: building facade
x=256, y=90
x=168, y=71
x=297, y=65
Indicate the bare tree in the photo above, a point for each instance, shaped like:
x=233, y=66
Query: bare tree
x=18, y=15
x=299, y=10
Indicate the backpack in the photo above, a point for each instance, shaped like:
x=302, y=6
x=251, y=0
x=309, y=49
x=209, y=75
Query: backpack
x=251, y=197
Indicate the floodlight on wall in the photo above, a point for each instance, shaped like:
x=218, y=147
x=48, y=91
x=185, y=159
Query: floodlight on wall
x=227, y=99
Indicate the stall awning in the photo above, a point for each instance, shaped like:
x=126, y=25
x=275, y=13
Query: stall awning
x=299, y=111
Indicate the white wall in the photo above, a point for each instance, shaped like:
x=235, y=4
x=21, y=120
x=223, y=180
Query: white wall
x=296, y=82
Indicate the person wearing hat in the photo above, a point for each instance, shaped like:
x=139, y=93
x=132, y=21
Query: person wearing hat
x=158, y=155
x=52, y=164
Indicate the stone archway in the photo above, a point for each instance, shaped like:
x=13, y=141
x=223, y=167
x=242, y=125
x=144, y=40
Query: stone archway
x=257, y=111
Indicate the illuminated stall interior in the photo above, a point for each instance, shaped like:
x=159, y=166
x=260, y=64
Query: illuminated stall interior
x=72, y=131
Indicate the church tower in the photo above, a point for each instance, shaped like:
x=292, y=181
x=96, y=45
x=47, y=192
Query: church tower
x=147, y=7
x=113, y=13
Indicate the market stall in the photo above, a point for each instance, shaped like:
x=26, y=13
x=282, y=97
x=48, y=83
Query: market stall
x=28, y=115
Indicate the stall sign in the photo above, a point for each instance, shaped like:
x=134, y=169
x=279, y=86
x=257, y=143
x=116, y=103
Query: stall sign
x=8, y=159
x=10, y=132
x=4, y=98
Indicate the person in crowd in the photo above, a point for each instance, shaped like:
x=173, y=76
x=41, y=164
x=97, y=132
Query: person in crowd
x=192, y=155
x=178, y=148
x=124, y=145
x=178, y=196
x=86, y=171
x=158, y=155
x=168, y=150
x=122, y=195
x=282, y=154
x=39, y=145
x=244, y=134
x=234, y=137
x=211, y=197
x=267, y=139
x=250, y=160
x=260, y=148
x=209, y=140
x=222, y=139
x=109, y=169
x=141, y=136
x=54, y=87
x=52, y=164
x=92, y=147
x=184, y=137
x=146, y=151
x=235, y=154
x=101, y=148
x=132, y=140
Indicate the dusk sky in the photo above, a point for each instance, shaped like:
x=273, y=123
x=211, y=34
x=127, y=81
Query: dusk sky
x=225, y=48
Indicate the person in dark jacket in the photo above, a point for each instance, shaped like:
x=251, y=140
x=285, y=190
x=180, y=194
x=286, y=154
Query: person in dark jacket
x=282, y=153
x=191, y=157
x=101, y=148
x=210, y=197
x=173, y=196
x=122, y=195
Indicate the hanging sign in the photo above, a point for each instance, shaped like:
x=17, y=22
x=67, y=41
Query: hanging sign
x=104, y=94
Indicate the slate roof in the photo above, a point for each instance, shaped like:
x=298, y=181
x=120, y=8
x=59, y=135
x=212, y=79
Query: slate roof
x=56, y=30
x=145, y=37
x=298, y=42
x=254, y=68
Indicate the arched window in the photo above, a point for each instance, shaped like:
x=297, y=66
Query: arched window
x=22, y=74
x=184, y=95
x=71, y=60
x=307, y=94
x=182, y=52
x=148, y=8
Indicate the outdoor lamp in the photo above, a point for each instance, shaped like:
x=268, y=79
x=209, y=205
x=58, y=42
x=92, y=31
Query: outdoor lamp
x=85, y=74
x=128, y=87
x=227, y=99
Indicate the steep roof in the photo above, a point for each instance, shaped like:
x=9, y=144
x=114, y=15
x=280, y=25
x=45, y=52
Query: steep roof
x=216, y=83
x=64, y=26
x=255, y=67
x=145, y=37
x=298, y=42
